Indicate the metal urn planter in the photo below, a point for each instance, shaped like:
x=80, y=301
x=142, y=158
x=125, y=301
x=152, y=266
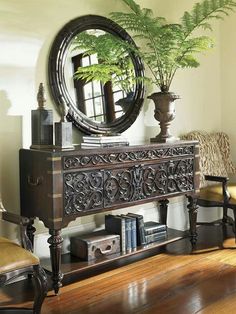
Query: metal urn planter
x=164, y=113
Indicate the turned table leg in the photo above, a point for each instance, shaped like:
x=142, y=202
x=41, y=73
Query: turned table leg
x=55, y=242
x=163, y=210
x=192, y=206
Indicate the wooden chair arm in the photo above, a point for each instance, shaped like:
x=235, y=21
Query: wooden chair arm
x=23, y=223
x=15, y=219
x=216, y=178
x=224, y=181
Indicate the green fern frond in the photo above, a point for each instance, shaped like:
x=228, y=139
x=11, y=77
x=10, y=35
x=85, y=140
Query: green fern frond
x=107, y=47
x=203, y=11
x=188, y=61
x=206, y=26
x=133, y=6
x=195, y=45
x=137, y=23
x=97, y=72
x=167, y=47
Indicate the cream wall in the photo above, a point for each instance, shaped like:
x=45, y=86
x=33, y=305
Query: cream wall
x=228, y=79
x=27, y=29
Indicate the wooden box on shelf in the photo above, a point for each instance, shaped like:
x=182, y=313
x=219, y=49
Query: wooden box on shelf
x=94, y=245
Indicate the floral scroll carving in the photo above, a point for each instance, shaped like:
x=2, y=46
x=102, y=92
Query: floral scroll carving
x=93, y=190
x=83, y=191
x=80, y=161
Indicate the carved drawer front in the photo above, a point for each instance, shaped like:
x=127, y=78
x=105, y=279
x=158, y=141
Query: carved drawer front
x=83, y=191
x=93, y=190
x=79, y=161
x=142, y=182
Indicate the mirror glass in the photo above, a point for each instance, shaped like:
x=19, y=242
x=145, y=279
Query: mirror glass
x=93, y=72
x=99, y=75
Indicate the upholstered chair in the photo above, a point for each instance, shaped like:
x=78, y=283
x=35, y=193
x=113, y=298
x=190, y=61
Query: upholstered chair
x=216, y=167
x=18, y=261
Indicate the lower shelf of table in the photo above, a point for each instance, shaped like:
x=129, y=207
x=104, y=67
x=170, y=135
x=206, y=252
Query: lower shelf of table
x=75, y=268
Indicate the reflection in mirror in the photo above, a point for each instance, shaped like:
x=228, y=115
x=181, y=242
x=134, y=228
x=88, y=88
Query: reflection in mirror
x=101, y=76
x=91, y=70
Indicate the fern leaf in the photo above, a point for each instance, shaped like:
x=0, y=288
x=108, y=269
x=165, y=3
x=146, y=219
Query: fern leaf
x=97, y=72
x=206, y=7
x=188, y=61
x=187, y=21
x=203, y=11
x=213, y=4
x=206, y=26
x=133, y=6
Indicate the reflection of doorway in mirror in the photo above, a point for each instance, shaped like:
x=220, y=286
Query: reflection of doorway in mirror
x=95, y=99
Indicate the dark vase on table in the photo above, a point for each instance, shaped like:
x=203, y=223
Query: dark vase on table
x=164, y=113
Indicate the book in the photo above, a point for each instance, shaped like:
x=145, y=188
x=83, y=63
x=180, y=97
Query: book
x=151, y=227
x=128, y=233
x=150, y=238
x=133, y=231
x=116, y=224
x=104, y=139
x=139, y=228
x=96, y=145
x=97, y=136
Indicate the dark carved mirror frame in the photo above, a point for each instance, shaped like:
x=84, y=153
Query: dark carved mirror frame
x=57, y=82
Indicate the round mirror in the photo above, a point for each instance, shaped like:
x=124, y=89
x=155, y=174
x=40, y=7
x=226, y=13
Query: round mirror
x=95, y=75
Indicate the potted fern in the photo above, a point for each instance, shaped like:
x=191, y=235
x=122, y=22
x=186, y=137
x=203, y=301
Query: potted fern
x=165, y=48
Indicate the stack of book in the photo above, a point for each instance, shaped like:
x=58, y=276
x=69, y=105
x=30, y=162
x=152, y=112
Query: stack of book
x=91, y=141
x=125, y=226
x=154, y=231
x=150, y=231
x=134, y=231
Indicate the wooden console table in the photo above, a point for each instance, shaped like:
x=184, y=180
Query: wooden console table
x=58, y=186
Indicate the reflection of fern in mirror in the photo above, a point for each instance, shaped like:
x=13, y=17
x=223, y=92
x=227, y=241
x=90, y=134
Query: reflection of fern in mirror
x=167, y=47
x=114, y=63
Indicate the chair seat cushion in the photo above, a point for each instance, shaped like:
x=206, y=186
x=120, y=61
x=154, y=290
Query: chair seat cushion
x=214, y=193
x=13, y=256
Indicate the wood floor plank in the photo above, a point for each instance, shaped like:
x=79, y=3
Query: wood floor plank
x=177, y=281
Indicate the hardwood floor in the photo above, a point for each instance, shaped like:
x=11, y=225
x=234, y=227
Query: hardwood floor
x=174, y=281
